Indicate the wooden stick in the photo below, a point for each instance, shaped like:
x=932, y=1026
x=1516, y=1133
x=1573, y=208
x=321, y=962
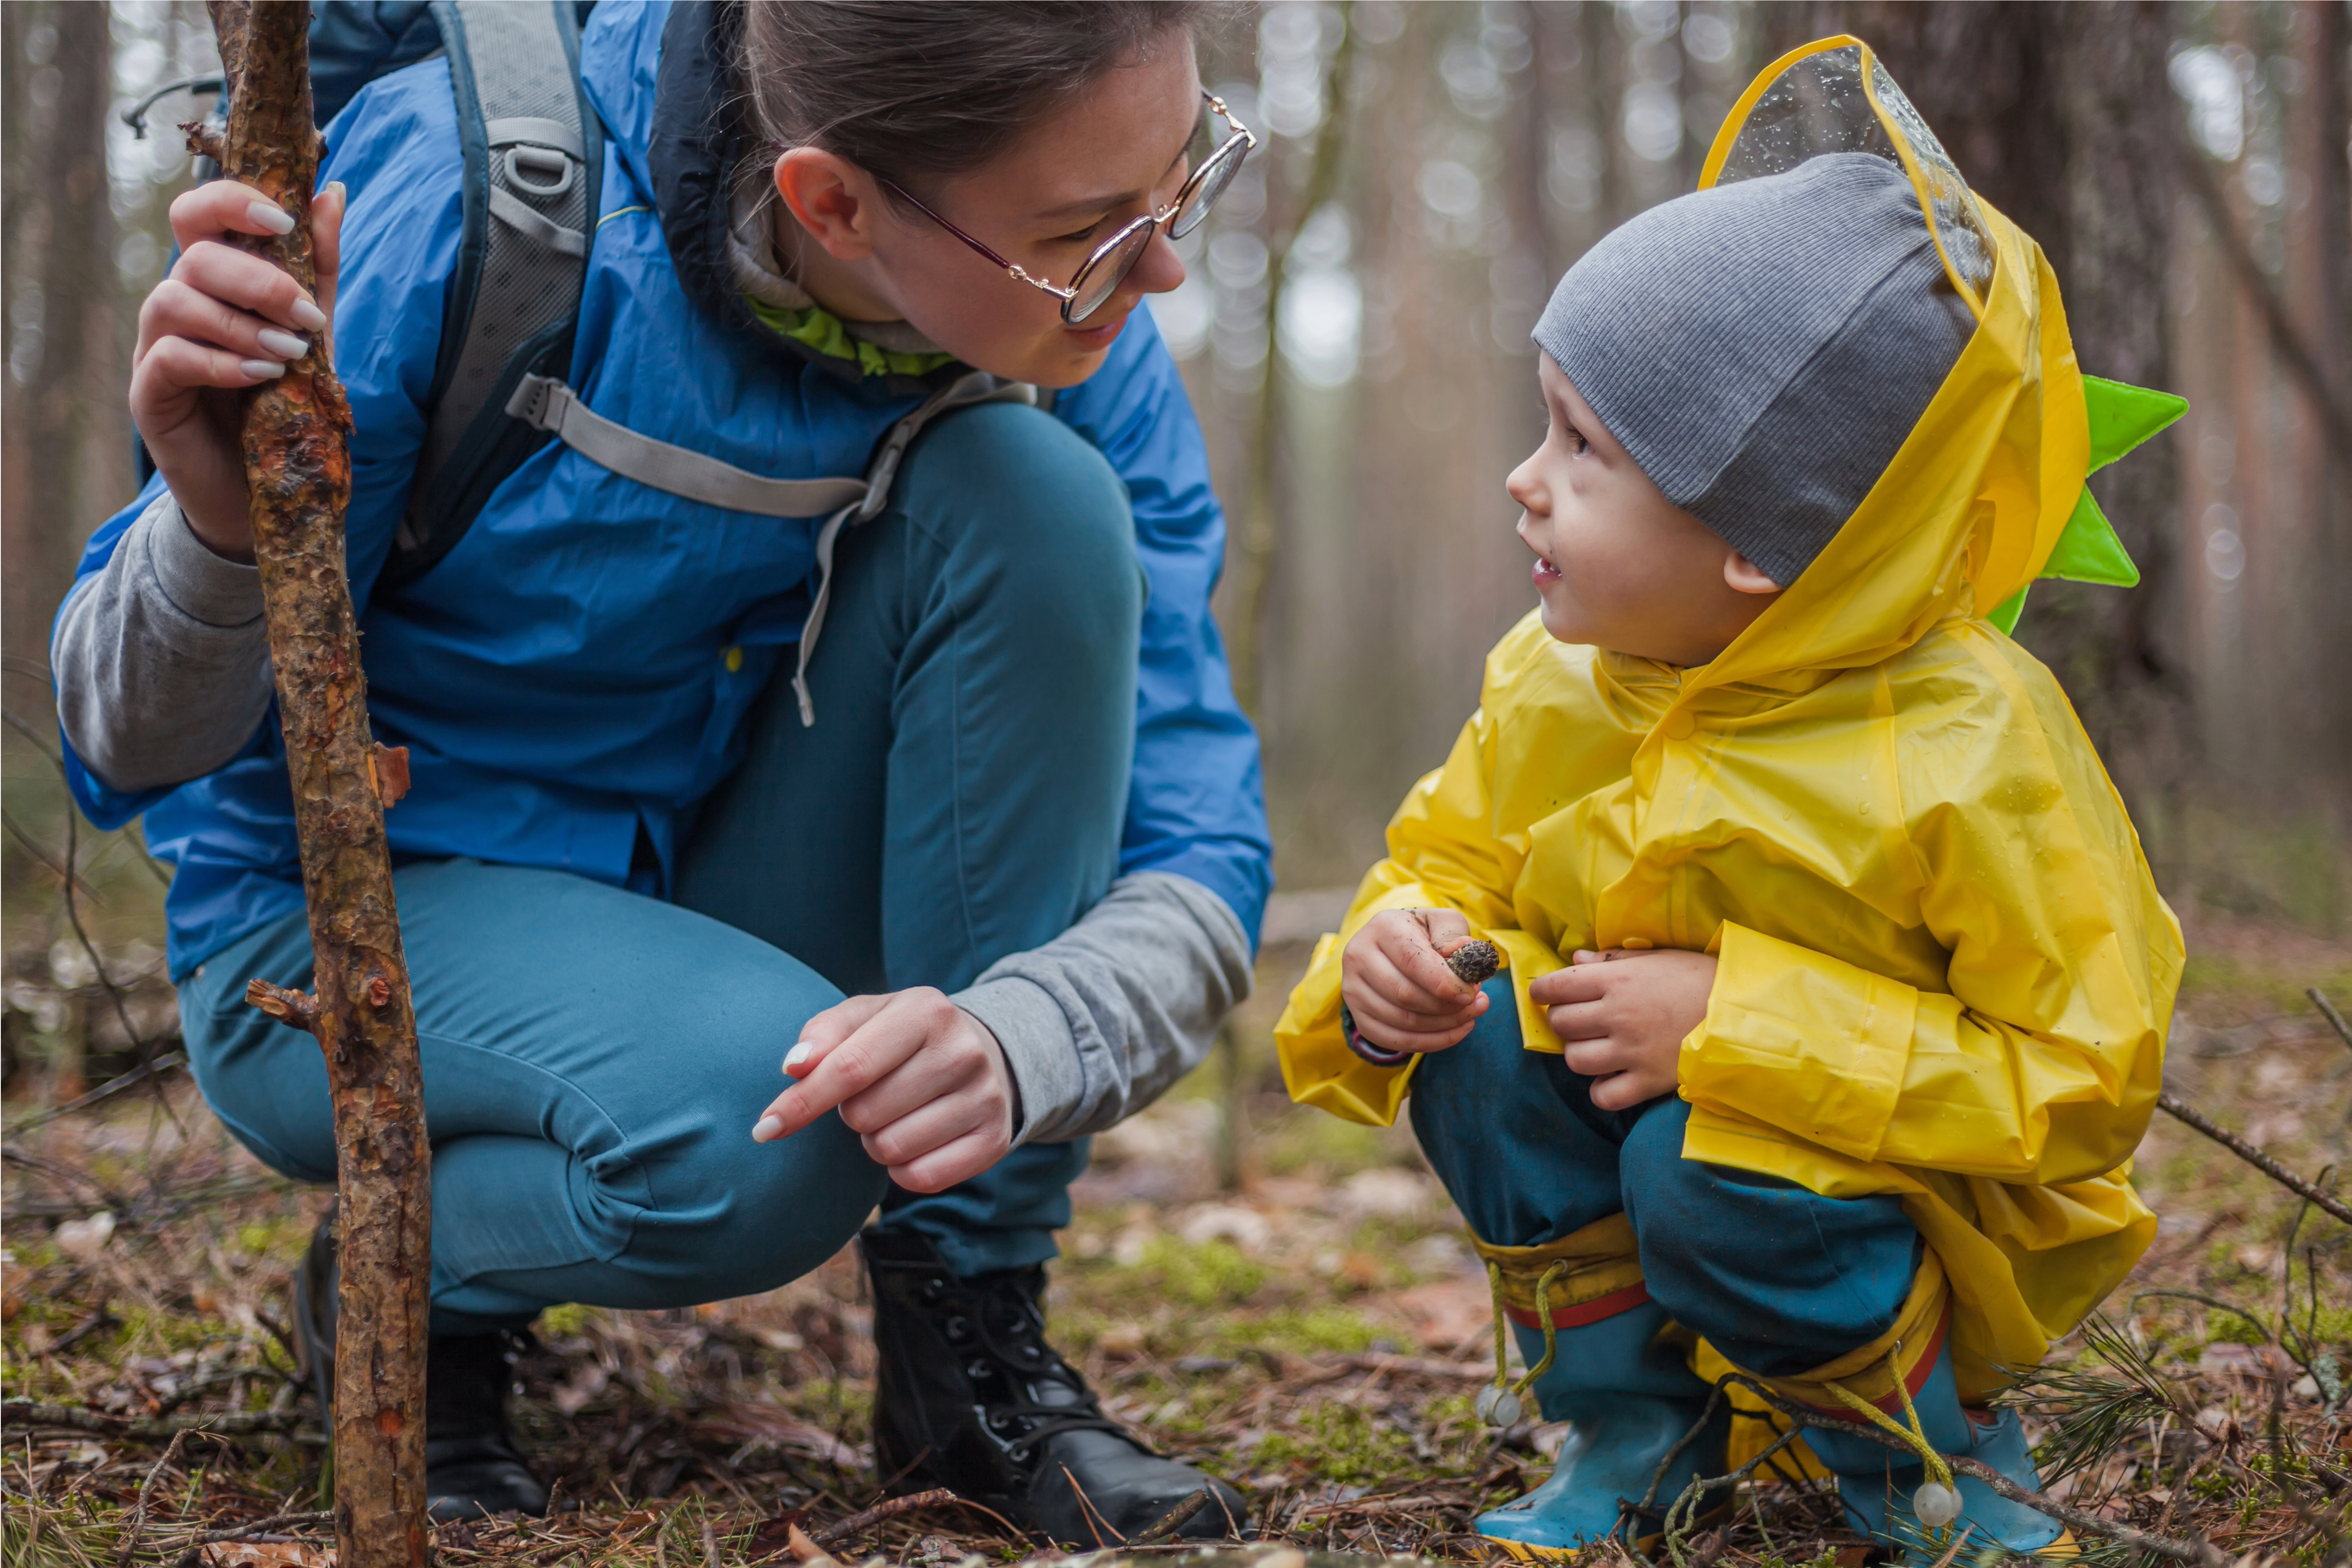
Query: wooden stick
x=297, y=441
x=2254, y=1157
x=2327, y=1011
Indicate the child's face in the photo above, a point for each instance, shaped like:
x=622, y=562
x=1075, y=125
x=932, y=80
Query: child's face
x=1618, y=565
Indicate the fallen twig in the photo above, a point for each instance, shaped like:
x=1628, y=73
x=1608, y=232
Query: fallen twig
x=937, y=1496
x=2196, y=1553
x=1174, y=1520
x=258, y=1530
x=2254, y=1157
x=1376, y=1507
x=143, y=1429
x=146, y=1493
x=2327, y=1010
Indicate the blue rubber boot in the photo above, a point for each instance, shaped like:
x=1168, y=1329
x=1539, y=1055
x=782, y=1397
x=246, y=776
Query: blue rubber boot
x=1629, y=1400
x=1878, y=1485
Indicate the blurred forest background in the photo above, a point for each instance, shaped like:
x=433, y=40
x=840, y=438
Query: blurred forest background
x=1354, y=329
x=1355, y=332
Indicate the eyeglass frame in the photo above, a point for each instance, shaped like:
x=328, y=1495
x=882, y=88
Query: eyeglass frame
x=1148, y=222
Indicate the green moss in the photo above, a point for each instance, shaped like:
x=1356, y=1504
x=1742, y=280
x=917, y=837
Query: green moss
x=1203, y=1274
x=284, y=1238
x=565, y=1321
x=1341, y=1444
x=1298, y=1333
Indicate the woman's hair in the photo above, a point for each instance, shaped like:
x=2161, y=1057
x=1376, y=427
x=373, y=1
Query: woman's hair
x=923, y=89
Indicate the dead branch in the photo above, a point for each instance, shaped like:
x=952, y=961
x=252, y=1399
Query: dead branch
x=2327, y=1010
x=2196, y=1554
x=2254, y=1157
x=296, y=437
x=295, y=1010
x=143, y=1430
x=1174, y=1520
x=937, y=1496
x=205, y=138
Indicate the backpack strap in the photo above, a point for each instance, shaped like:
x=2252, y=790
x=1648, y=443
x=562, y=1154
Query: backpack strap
x=533, y=159
x=544, y=403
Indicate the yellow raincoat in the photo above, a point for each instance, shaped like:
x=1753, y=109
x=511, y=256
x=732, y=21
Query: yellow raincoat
x=1945, y=970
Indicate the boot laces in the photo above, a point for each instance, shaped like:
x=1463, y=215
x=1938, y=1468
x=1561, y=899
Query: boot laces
x=1011, y=1333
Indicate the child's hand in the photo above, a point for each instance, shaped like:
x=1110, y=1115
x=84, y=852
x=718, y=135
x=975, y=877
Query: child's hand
x=1394, y=980
x=1623, y=1015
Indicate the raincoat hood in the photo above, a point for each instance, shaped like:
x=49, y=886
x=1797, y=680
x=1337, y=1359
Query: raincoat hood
x=1943, y=968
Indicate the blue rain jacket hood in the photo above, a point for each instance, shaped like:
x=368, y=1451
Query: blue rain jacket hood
x=578, y=671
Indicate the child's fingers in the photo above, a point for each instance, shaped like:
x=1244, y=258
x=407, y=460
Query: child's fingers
x=1375, y=1016
x=1566, y=986
x=1378, y=972
x=1596, y=1059
x=1407, y=947
x=1579, y=1021
x=1448, y=928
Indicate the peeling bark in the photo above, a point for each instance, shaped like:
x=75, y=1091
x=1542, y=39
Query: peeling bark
x=297, y=446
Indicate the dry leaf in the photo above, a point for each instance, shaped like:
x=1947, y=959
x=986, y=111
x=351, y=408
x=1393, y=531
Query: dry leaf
x=268, y=1554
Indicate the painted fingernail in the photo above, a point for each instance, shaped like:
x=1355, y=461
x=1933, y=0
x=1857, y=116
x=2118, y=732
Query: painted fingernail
x=309, y=317
x=285, y=345
x=261, y=367
x=767, y=1130
x=798, y=1056
x=271, y=217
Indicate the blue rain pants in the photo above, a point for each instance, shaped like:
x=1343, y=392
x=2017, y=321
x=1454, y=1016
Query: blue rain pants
x=1779, y=1279
x=594, y=1057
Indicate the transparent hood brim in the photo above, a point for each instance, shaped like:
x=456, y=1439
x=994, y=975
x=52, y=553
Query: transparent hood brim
x=1834, y=96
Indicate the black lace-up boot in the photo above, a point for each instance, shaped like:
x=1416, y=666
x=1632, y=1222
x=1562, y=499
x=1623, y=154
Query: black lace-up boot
x=471, y=1467
x=970, y=1397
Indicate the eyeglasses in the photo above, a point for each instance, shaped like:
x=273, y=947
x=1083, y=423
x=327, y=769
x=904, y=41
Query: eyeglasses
x=1112, y=260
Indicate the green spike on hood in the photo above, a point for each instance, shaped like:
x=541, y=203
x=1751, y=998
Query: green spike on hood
x=2121, y=417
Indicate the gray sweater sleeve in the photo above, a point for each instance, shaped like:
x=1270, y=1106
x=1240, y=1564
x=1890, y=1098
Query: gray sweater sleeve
x=1101, y=1021
x=161, y=659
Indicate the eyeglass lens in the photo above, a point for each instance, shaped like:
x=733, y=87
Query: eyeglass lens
x=1223, y=164
x=1101, y=277
x=1107, y=268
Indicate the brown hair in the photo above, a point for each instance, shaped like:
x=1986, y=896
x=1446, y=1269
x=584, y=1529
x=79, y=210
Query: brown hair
x=923, y=89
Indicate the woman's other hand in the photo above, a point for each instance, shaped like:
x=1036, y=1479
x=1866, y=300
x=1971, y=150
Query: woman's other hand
x=1623, y=1015
x=923, y=1082
x=1396, y=984
x=224, y=321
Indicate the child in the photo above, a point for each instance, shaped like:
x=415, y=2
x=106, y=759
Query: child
x=1865, y=980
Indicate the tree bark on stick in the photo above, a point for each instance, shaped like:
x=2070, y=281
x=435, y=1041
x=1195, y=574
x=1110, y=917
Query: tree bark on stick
x=297, y=442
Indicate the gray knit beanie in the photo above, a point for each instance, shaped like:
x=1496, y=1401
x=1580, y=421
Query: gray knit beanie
x=1762, y=349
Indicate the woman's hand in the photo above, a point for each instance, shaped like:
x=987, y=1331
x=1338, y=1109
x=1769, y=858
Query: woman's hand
x=1623, y=1015
x=1394, y=980
x=921, y=1080
x=224, y=321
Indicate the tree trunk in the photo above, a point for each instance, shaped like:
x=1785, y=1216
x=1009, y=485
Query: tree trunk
x=297, y=434
x=59, y=237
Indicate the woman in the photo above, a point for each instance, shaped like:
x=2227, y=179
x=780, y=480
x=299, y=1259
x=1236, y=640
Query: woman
x=1025, y=833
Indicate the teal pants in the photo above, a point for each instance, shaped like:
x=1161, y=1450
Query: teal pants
x=1781, y=1280
x=594, y=1058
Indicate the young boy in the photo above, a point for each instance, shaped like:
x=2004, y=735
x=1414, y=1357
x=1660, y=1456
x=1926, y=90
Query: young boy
x=1837, y=983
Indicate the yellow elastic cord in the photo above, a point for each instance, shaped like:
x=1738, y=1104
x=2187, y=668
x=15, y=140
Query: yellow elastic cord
x=1550, y=1333
x=1502, y=1327
x=1916, y=1437
x=1543, y=1316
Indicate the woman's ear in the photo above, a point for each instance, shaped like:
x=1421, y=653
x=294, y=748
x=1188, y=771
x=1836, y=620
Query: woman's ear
x=833, y=200
x=1745, y=576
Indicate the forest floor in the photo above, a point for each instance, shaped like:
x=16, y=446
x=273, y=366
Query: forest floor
x=1301, y=1314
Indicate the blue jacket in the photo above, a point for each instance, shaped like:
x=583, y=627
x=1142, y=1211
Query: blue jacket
x=581, y=666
